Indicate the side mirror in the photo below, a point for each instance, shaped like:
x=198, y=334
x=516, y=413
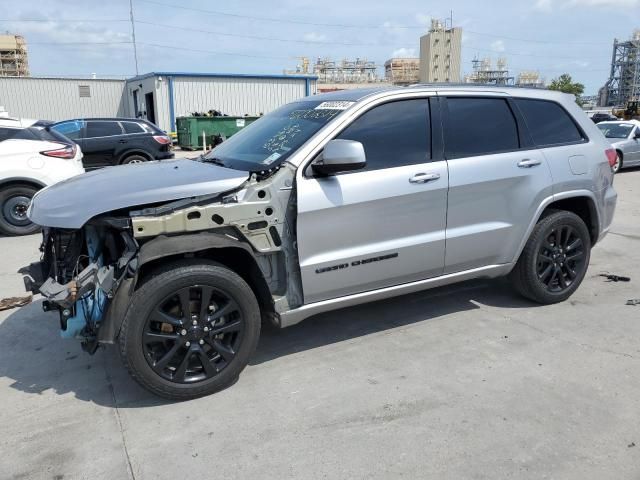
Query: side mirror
x=340, y=156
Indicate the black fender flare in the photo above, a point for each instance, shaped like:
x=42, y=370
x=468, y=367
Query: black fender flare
x=160, y=247
x=166, y=246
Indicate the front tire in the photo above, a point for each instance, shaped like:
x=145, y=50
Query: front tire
x=618, y=165
x=14, y=201
x=554, y=260
x=190, y=330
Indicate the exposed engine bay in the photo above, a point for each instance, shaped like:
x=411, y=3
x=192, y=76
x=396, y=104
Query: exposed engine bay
x=88, y=274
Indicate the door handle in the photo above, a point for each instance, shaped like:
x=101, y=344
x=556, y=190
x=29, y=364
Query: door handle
x=528, y=163
x=122, y=141
x=424, y=177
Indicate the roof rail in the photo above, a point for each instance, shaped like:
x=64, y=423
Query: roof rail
x=471, y=85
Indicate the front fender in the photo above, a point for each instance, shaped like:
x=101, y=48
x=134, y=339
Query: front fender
x=160, y=247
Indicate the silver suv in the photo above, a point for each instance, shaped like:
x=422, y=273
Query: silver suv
x=331, y=201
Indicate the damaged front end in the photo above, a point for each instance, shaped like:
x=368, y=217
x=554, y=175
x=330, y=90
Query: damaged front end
x=89, y=273
x=80, y=273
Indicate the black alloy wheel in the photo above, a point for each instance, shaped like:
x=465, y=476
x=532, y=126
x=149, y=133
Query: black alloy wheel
x=560, y=258
x=190, y=329
x=193, y=334
x=555, y=258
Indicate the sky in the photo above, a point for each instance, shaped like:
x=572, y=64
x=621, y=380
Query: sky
x=82, y=37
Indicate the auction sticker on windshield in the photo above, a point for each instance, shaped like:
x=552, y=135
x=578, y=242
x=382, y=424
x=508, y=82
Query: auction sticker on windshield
x=336, y=105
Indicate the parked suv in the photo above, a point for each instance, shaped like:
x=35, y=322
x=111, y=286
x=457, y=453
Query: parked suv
x=116, y=141
x=328, y=202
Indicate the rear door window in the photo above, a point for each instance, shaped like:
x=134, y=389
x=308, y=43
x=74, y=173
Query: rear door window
x=102, y=128
x=393, y=134
x=479, y=126
x=548, y=123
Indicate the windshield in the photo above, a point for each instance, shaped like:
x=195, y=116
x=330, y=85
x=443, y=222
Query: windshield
x=615, y=130
x=273, y=138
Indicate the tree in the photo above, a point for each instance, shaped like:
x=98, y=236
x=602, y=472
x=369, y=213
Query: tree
x=564, y=83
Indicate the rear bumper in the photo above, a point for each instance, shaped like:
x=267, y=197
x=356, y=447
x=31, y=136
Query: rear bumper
x=609, y=202
x=164, y=155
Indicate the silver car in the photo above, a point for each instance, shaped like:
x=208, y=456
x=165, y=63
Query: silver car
x=331, y=201
x=625, y=138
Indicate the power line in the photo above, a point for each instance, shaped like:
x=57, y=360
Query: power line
x=271, y=19
x=519, y=54
x=79, y=43
x=214, y=52
x=286, y=40
x=343, y=25
x=257, y=37
x=547, y=42
x=41, y=20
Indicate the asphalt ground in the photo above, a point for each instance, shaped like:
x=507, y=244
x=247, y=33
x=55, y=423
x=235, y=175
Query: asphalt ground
x=466, y=381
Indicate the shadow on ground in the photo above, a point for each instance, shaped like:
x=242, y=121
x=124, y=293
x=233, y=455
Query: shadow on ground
x=36, y=360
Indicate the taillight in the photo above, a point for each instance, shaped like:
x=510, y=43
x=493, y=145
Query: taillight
x=162, y=139
x=67, y=152
x=612, y=156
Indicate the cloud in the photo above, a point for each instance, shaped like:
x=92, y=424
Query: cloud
x=56, y=32
x=394, y=28
x=497, y=46
x=605, y=3
x=543, y=5
x=423, y=19
x=404, y=53
x=551, y=5
x=315, y=37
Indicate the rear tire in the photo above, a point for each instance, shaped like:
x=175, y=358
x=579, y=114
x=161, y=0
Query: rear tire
x=14, y=201
x=179, y=355
x=134, y=159
x=554, y=260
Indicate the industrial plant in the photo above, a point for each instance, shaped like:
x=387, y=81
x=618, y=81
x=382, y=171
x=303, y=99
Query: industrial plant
x=623, y=86
x=402, y=71
x=440, y=53
x=13, y=56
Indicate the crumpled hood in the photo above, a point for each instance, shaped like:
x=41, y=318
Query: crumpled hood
x=71, y=203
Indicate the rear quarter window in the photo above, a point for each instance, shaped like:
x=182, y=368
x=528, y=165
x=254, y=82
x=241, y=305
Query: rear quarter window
x=548, y=123
x=132, y=127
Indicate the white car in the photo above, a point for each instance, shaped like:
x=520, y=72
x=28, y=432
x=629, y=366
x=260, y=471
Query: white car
x=30, y=159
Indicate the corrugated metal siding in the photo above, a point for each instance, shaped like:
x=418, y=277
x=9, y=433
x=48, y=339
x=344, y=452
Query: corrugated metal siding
x=235, y=96
x=59, y=99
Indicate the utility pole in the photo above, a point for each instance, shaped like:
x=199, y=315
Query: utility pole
x=133, y=35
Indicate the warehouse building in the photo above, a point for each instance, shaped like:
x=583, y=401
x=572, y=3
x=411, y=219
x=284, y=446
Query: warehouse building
x=160, y=97
x=62, y=98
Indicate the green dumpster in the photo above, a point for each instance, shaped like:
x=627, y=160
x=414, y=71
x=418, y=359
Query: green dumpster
x=190, y=129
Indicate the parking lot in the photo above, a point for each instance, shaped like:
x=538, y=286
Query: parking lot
x=467, y=381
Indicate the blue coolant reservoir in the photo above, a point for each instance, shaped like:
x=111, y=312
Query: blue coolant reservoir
x=90, y=308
